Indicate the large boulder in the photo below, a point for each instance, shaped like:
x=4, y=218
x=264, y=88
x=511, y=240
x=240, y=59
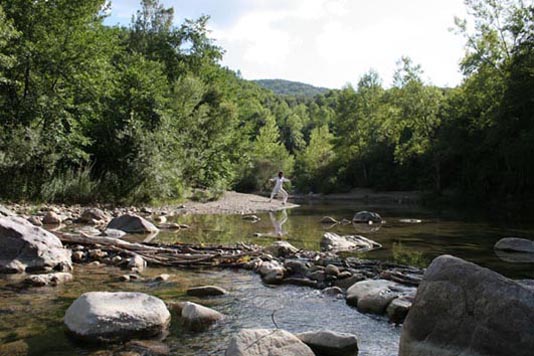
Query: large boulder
x=25, y=247
x=105, y=316
x=198, y=317
x=355, y=243
x=464, y=309
x=372, y=296
x=366, y=217
x=132, y=224
x=514, y=244
x=262, y=342
x=329, y=343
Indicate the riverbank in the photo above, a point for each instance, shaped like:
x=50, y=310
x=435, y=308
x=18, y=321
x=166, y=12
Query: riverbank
x=230, y=203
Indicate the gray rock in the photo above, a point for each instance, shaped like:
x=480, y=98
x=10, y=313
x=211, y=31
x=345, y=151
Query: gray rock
x=251, y=218
x=137, y=262
x=372, y=296
x=464, y=309
x=24, y=247
x=332, y=291
x=514, y=244
x=398, y=309
x=263, y=342
x=104, y=316
x=162, y=277
x=198, y=317
x=354, y=243
x=328, y=220
x=51, y=218
x=78, y=256
x=296, y=267
x=281, y=249
x=93, y=215
x=272, y=272
x=318, y=276
x=366, y=217
x=35, y=220
x=305, y=282
x=132, y=224
x=206, y=291
x=5, y=211
x=50, y=279
x=329, y=343
x=117, y=234
x=332, y=270
x=346, y=283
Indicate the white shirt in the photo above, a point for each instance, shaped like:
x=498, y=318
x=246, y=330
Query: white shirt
x=279, y=182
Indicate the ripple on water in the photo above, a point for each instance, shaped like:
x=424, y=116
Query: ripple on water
x=35, y=316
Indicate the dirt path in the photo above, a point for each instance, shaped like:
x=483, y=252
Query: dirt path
x=236, y=203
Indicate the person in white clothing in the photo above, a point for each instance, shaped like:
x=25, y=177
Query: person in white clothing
x=278, y=187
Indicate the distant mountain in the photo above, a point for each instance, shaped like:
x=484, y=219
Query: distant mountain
x=287, y=87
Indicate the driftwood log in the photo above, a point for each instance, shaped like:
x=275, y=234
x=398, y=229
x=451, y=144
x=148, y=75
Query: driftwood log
x=168, y=255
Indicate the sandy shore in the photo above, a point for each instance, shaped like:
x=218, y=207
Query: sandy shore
x=236, y=203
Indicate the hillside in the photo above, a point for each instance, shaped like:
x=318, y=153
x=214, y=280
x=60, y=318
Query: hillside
x=287, y=87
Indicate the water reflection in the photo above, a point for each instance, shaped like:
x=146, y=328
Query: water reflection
x=278, y=222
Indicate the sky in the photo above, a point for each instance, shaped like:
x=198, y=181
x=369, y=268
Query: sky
x=327, y=43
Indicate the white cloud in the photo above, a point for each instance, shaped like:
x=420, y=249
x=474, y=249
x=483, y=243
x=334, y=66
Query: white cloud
x=332, y=42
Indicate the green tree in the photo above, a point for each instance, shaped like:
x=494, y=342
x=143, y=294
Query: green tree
x=313, y=162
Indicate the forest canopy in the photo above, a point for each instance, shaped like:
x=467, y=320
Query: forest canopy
x=147, y=112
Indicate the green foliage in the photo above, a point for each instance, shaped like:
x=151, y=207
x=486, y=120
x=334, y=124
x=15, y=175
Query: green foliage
x=313, y=164
x=147, y=113
x=286, y=87
x=71, y=187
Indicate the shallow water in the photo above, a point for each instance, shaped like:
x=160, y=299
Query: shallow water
x=34, y=316
x=466, y=234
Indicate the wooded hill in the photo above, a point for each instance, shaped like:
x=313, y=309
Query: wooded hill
x=287, y=87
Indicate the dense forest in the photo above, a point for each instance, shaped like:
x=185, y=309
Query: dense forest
x=287, y=87
x=146, y=112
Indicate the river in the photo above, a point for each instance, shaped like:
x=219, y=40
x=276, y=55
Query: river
x=31, y=319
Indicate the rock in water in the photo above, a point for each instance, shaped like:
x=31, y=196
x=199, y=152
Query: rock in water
x=366, y=217
x=281, y=249
x=329, y=343
x=24, y=247
x=206, y=291
x=464, y=309
x=198, y=317
x=51, y=279
x=104, y=316
x=262, y=342
x=335, y=243
x=328, y=220
x=514, y=244
x=117, y=234
x=372, y=296
x=132, y=224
